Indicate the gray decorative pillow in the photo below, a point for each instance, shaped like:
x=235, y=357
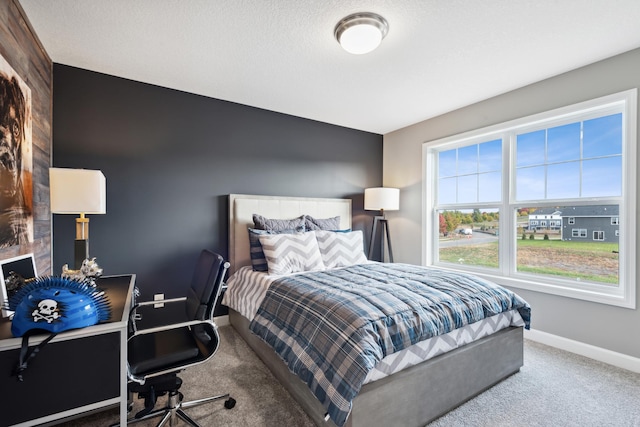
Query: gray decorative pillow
x=258, y=261
x=262, y=223
x=291, y=253
x=312, y=223
x=340, y=249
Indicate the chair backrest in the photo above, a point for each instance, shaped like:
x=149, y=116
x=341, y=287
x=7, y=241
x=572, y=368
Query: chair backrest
x=206, y=285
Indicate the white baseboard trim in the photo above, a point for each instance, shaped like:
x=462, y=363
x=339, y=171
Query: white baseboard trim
x=222, y=320
x=597, y=353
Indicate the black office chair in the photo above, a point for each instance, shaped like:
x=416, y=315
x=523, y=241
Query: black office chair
x=157, y=354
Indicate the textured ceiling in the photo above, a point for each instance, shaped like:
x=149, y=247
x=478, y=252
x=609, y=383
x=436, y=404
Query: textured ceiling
x=280, y=55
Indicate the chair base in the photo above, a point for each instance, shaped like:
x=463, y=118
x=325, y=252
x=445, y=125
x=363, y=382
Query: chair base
x=175, y=406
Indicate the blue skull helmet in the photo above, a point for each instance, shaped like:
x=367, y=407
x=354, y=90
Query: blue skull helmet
x=56, y=304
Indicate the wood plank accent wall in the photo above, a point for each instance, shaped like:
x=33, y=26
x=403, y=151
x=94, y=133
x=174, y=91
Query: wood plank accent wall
x=21, y=48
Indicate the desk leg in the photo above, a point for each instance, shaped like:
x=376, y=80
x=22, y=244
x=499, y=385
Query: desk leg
x=123, y=377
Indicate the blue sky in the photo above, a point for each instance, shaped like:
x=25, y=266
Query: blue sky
x=552, y=163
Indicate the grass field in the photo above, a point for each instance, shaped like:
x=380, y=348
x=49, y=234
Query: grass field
x=588, y=261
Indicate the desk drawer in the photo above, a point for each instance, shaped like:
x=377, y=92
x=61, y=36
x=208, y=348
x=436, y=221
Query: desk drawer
x=63, y=376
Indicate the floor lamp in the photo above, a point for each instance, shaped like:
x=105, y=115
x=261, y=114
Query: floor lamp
x=381, y=199
x=80, y=192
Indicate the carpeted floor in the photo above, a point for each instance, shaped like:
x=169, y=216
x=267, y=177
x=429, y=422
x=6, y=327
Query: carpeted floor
x=553, y=388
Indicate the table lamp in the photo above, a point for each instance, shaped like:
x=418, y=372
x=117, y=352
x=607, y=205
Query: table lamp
x=80, y=192
x=381, y=199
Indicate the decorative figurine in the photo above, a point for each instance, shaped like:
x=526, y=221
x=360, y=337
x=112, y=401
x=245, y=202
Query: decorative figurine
x=89, y=271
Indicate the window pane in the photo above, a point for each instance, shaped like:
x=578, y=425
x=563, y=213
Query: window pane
x=468, y=189
x=469, y=237
x=530, y=148
x=602, y=136
x=563, y=180
x=530, y=183
x=447, y=190
x=585, y=250
x=490, y=187
x=447, y=163
x=467, y=160
x=563, y=143
x=602, y=177
x=490, y=156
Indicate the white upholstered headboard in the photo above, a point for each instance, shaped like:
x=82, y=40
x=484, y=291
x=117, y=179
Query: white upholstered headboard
x=243, y=206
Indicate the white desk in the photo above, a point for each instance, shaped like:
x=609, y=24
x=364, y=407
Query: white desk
x=78, y=371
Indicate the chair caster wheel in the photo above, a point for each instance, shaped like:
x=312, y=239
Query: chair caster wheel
x=230, y=403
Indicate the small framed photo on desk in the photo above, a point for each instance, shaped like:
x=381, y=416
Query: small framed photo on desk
x=25, y=267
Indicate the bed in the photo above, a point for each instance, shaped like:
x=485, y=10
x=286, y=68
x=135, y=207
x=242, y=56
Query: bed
x=396, y=392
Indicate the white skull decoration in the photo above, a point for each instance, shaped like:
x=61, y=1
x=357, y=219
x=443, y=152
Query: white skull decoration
x=47, y=310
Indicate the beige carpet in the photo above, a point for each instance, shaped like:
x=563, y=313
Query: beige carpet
x=553, y=388
x=235, y=369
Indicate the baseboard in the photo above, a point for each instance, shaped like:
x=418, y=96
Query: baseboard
x=221, y=320
x=597, y=353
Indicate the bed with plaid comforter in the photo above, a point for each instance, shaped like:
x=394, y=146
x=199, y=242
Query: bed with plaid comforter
x=332, y=327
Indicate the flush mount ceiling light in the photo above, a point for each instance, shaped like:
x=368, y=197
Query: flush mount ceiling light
x=361, y=32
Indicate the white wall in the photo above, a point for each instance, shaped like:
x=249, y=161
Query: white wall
x=605, y=326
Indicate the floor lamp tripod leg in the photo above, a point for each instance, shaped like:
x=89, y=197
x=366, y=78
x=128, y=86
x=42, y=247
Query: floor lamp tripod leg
x=386, y=227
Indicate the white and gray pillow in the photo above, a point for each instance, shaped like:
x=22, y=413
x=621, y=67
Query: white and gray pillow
x=291, y=253
x=341, y=249
x=258, y=261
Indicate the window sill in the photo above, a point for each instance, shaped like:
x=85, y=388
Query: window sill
x=602, y=294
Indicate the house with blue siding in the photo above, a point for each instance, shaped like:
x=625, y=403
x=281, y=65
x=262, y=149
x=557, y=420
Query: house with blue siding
x=591, y=223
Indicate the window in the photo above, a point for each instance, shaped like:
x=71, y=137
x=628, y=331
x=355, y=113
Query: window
x=517, y=183
x=578, y=232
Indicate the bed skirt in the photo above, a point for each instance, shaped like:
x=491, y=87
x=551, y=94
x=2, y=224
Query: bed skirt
x=416, y=395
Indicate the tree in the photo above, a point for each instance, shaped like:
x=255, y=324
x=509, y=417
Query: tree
x=443, y=224
x=452, y=219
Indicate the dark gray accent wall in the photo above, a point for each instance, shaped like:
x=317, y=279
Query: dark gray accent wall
x=171, y=158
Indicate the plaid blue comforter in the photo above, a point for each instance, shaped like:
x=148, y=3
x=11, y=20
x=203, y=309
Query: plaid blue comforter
x=331, y=327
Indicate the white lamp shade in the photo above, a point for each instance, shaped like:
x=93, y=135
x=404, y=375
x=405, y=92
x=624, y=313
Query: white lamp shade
x=380, y=198
x=77, y=191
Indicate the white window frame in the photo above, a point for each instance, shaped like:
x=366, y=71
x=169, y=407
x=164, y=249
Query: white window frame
x=579, y=232
x=599, y=233
x=615, y=220
x=622, y=295
x=571, y=220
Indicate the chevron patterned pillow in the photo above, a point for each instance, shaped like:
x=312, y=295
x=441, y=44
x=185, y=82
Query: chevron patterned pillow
x=341, y=249
x=291, y=253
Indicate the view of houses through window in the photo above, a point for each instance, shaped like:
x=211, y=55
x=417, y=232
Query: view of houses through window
x=576, y=242
x=540, y=201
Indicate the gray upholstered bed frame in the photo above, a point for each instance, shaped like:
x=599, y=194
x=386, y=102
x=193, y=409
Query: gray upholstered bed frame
x=412, y=397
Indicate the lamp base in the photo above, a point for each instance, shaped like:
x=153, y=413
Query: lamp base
x=81, y=252
x=384, y=232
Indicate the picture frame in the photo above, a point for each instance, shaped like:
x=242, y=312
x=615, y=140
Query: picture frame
x=25, y=266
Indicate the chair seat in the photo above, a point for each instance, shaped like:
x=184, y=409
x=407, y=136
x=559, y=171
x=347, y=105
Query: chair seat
x=161, y=350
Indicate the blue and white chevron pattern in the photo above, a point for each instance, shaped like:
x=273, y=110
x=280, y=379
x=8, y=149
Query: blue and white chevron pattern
x=291, y=253
x=341, y=249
